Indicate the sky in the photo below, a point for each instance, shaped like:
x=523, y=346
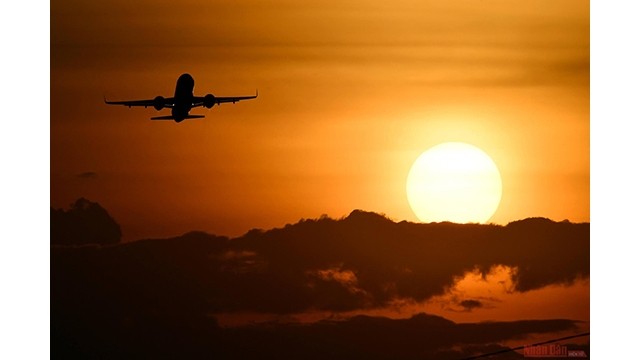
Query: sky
x=27, y=157
x=350, y=94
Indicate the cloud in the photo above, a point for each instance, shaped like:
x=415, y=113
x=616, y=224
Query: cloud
x=87, y=175
x=345, y=278
x=168, y=289
x=469, y=305
x=85, y=222
x=336, y=289
x=240, y=262
x=418, y=261
x=363, y=261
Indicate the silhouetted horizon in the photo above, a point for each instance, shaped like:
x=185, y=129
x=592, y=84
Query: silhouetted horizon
x=74, y=207
x=355, y=265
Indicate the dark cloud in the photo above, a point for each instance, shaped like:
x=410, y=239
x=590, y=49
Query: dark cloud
x=88, y=175
x=362, y=261
x=417, y=261
x=85, y=222
x=173, y=286
x=470, y=304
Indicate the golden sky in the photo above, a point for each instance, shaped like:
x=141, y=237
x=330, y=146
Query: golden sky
x=351, y=93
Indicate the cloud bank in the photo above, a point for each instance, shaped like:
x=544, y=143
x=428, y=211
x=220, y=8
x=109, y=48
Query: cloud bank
x=169, y=290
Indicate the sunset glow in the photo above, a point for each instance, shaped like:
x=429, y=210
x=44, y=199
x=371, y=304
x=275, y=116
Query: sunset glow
x=413, y=180
x=350, y=95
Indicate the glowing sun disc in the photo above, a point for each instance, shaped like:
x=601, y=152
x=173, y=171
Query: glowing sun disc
x=454, y=182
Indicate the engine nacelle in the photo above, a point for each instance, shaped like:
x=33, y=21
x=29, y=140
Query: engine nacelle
x=158, y=102
x=209, y=101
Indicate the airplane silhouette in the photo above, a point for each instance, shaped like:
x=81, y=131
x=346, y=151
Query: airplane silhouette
x=182, y=101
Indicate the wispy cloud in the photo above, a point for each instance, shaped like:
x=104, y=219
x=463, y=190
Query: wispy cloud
x=88, y=175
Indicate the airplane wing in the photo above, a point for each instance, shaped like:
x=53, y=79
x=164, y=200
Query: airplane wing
x=166, y=102
x=210, y=100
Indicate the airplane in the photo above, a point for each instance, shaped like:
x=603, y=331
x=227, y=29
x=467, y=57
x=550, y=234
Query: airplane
x=182, y=101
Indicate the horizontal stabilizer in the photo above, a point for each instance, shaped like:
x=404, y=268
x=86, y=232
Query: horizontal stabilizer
x=170, y=117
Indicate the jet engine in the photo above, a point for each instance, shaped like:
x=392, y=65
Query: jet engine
x=209, y=101
x=158, y=102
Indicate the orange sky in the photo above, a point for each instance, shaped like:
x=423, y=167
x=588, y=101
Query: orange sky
x=350, y=94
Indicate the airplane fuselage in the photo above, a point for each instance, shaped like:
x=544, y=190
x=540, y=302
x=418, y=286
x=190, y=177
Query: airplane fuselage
x=183, y=97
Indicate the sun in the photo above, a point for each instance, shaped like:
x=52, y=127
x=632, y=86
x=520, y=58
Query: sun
x=454, y=182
